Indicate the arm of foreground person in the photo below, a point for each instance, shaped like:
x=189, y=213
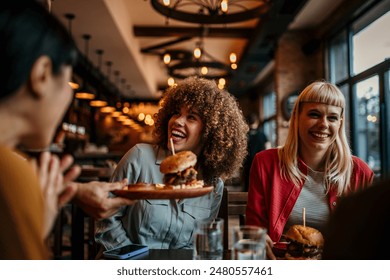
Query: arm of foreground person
x=52, y=178
x=94, y=198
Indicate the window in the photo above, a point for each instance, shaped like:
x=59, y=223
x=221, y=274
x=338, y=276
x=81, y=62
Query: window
x=359, y=65
x=345, y=89
x=339, y=58
x=371, y=45
x=367, y=122
x=269, y=117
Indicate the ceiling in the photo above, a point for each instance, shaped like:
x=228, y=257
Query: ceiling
x=123, y=28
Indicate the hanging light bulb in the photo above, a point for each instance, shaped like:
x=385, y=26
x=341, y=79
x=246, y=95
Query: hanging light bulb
x=122, y=118
x=197, y=52
x=171, y=81
x=107, y=109
x=125, y=110
x=204, y=70
x=70, y=17
x=97, y=103
x=167, y=58
x=74, y=85
x=221, y=83
x=233, y=66
x=84, y=95
x=233, y=57
x=224, y=6
x=85, y=92
x=166, y=2
x=116, y=114
x=141, y=117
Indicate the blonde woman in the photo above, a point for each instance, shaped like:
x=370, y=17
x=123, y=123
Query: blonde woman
x=310, y=171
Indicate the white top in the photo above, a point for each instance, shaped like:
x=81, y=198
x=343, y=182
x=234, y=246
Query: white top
x=315, y=202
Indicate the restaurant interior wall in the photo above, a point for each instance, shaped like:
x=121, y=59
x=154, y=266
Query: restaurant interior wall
x=249, y=103
x=253, y=102
x=295, y=68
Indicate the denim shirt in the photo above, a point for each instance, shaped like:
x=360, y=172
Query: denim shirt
x=160, y=224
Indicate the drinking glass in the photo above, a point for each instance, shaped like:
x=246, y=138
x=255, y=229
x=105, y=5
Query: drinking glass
x=249, y=243
x=208, y=240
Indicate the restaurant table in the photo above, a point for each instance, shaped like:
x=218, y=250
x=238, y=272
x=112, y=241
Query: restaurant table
x=161, y=254
x=169, y=254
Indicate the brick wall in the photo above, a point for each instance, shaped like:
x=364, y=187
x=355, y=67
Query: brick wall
x=298, y=61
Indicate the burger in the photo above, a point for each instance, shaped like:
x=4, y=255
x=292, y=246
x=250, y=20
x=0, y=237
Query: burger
x=305, y=243
x=179, y=171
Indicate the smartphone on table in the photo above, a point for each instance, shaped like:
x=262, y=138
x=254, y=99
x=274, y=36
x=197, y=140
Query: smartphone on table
x=126, y=251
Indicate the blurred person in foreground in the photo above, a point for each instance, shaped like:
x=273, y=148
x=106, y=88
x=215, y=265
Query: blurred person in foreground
x=37, y=55
x=312, y=170
x=257, y=141
x=358, y=228
x=198, y=117
x=92, y=197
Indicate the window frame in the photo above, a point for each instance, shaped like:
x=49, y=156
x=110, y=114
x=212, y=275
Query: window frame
x=382, y=69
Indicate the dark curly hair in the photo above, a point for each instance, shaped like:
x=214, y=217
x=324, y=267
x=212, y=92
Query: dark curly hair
x=225, y=130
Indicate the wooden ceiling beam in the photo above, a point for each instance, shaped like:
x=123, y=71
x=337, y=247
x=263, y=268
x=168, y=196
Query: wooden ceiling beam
x=159, y=31
x=163, y=45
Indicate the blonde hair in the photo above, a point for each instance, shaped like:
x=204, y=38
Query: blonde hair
x=338, y=158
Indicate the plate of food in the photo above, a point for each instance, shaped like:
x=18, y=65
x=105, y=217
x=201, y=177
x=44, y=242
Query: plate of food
x=180, y=181
x=161, y=191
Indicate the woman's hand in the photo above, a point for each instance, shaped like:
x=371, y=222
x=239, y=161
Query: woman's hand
x=94, y=198
x=269, y=245
x=55, y=190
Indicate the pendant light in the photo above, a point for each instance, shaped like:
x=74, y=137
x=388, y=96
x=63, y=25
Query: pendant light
x=84, y=92
x=74, y=85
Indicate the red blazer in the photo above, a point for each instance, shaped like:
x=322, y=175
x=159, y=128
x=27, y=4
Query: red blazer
x=271, y=198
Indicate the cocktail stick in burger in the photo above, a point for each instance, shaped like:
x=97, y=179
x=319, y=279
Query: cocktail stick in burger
x=179, y=171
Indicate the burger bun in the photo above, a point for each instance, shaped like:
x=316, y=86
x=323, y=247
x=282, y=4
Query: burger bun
x=178, y=162
x=305, y=235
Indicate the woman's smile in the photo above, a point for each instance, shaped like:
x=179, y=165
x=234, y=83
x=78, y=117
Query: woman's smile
x=185, y=130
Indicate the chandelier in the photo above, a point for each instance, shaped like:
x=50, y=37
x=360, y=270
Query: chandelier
x=203, y=66
x=212, y=11
x=183, y=63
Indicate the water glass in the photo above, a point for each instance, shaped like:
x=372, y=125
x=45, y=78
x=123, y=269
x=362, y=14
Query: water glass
x=249, y=243
x=208, y=240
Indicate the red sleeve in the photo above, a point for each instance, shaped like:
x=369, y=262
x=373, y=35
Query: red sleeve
x=256, y=211
x=363, y=175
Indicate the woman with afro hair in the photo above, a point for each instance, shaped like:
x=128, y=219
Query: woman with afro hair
x=198, y=117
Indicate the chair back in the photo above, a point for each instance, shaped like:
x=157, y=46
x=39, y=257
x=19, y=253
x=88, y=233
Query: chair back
x=233, y=204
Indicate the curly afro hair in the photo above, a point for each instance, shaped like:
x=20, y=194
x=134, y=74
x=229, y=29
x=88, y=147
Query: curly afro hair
x=225, y=129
